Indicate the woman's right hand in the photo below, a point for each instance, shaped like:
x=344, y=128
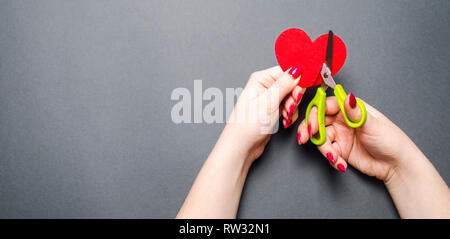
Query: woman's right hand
x=373, y=149
x=379, y=148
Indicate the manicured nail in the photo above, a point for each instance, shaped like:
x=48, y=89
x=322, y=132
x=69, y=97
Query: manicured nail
x=291, y=109
x=296, y=71
x=299, y=139
x=341, y=168
x=352, y=100
x=288, y=116
x=299, y=97
x=288, y=123
x=330, y=157
x=309, y=130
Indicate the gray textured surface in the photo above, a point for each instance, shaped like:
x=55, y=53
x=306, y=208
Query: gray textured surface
x=85, y=127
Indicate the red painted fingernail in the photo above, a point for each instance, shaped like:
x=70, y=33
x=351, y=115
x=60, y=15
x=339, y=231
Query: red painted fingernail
x=288, y=123
x=341, y=168
x=309, y=130
x=352, y=100
x=330, y=157
x=299, y=137
x=291, y=109
x=296, y=71
x=288, y=118
x=299, y=97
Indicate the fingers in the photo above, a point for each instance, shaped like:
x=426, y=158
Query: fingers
x=353, y=111
x=274, y=72
x=289, y=107
x=305, y=132
x=331, y=150
x=313, y=125
x=285, y=84
x=266, y=77
x=302, y=133
x=331, y=109
x=350, y=106
x=293, y=118
x=331, y=106
x=291, y=104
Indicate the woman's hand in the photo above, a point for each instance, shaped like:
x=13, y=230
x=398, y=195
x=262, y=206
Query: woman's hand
x=267, y=95
x=217, y=189
x=379, y=148
x=372, y=148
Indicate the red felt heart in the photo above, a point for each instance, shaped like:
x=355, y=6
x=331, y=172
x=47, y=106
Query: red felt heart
x=294, y=46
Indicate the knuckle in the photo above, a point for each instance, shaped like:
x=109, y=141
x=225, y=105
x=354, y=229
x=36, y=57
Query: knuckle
x=255, y=75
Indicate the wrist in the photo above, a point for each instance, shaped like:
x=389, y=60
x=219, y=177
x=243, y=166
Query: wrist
x=231, y=148
x=230, y=160
x=416, y=187
x=236, y=142
x=408, y=164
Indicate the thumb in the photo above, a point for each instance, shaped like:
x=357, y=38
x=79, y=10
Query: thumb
x=285, y=83
x=353, y=112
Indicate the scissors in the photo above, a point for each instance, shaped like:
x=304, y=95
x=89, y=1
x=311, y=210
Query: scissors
x=320, y=97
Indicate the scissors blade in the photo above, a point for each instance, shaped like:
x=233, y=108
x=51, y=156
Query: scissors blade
x=327, y=66
x=329, y=54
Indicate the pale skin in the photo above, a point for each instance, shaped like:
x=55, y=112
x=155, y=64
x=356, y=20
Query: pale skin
x=379, y=148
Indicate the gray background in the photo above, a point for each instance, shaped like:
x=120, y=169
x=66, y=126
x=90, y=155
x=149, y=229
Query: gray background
x=85, y=126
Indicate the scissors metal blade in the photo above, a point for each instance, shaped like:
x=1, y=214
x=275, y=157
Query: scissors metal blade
x=327, y=79
x=329, y=54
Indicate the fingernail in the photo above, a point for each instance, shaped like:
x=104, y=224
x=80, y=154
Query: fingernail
x=296, y=71
x=309, y=130
x=288, y=123
x=291, y=109
x=299, y=97
x=341, y=168
x=330, y=157
x=299, y=137
x=288, y=117
x=352, y=100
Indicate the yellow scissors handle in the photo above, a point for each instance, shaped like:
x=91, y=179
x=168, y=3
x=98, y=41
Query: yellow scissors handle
x=319, y=102
x=340, y=96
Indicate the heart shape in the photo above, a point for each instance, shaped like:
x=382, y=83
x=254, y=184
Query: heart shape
x=294, y=46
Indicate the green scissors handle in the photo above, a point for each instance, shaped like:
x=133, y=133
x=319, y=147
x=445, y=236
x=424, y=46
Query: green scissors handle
x=319, y=102
x=340, y=96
